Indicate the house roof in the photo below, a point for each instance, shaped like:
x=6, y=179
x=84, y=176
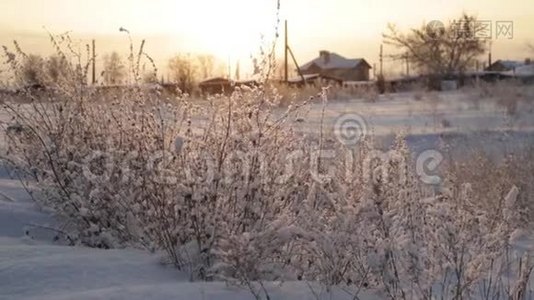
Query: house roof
x=222, y=80
x=510, y=64
x=522, y=71
x=215, y=80
x=335, y=61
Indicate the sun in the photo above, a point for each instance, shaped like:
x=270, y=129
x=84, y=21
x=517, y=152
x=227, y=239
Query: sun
x=230, y=30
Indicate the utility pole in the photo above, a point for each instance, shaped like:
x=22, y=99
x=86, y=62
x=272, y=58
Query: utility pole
x=381, y=59
x=296, y=64
x=285, y=54
x=237, y=70
x=489, y=55
x=229, y=68
x=407, y=65
x=93, y=81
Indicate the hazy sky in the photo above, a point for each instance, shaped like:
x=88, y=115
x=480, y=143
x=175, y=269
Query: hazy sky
x=232, y=28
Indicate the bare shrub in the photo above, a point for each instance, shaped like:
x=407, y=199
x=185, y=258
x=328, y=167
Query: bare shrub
x=506, y=94
x=227, y=189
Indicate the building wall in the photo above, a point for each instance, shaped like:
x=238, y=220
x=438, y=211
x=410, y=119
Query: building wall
x=497, y=67
x=313, y=69
x=359, y=73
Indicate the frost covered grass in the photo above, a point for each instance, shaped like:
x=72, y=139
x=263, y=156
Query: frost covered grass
x=243, y=197
x=291, y=94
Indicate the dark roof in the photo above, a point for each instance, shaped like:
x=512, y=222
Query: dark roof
x=334, y=61
x=522, y=71
x=221, y=80
x=215, y=80
x=509, y=64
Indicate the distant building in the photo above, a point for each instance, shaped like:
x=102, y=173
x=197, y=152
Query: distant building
x=336, y=66
x=314, y=79
x=217, y=85
x=507, y=65
x=220, y=85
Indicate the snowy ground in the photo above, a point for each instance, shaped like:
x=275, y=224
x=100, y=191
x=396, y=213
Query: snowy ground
x=33, y=267
x=393, y=113
x=453, y=118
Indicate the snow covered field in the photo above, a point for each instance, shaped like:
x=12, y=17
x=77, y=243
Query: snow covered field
x=463, y=120
x=32, y=266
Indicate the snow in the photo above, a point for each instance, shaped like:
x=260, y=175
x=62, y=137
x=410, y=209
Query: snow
x=510, y=64
x=402, y=112
x=33, y=267
x=522, y=71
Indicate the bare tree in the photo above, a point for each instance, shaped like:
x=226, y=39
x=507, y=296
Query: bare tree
x=149, y=77
x=31, y=72
x=439, y=50
x=57, y=68
x=183, y=71
x=114, y=69
x=206, y=65
x=222, y=69
x=36, y=70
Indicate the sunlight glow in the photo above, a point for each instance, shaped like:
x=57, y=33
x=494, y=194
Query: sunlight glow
x=226, y=29
x=232, y=30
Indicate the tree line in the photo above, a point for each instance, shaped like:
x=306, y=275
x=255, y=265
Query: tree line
x=435, y=51
x=185, y=70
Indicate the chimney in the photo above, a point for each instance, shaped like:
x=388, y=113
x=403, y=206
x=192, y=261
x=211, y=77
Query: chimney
x=325, y=55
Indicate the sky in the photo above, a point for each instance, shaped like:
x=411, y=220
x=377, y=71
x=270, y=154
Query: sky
x=234, y=30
